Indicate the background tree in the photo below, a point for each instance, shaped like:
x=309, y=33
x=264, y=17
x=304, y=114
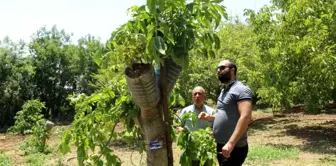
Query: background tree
x=62, y=68
x=237, y=43
x=49, y=69
x=53, y=78
x=89, y=47
x=297, y=50
x=16, y=74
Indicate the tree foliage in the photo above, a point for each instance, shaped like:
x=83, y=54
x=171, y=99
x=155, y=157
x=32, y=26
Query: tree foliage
x=237, y=43
x=16, y=76
x=96, y=118
x=54, y=68
x=297, y=49
x=195, y=145
x=167, y=29
x=27, y=118
x=49, y=68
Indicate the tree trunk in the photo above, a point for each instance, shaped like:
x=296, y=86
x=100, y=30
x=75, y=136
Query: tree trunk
x=152, y=127
x=154, y=119
x=166, y=115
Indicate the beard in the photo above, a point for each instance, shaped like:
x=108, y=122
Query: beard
x=224, y=78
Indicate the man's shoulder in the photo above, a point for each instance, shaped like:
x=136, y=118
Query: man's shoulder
x=209, y=109
x=188, y=108
x=240, y=86
x=242, y=91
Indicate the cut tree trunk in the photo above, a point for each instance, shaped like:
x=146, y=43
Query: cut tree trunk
x=143, y=86
x=154, y=118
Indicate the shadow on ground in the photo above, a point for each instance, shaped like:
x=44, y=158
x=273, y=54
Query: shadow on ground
x=261, y=124
x=270, y=122
x=319, y=138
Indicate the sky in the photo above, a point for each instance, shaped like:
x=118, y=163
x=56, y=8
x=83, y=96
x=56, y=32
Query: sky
x=19, y=19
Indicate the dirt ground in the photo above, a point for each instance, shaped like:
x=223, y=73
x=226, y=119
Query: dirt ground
x=314, y=135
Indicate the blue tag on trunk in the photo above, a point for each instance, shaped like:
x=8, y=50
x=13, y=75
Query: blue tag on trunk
x=155, y=145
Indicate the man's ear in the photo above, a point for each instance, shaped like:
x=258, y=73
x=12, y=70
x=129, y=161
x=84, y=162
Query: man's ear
x=232, y=70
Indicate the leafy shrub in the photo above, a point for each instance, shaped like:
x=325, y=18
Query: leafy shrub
x=30, y=121
x=5, y=160
x=196, y=145
x=27, y=117
x=37, y=142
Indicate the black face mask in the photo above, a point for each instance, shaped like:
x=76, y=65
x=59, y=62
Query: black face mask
x=224, y=77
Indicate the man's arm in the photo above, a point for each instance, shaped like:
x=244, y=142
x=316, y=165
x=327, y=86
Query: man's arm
x=206, y=116
x=245, y=111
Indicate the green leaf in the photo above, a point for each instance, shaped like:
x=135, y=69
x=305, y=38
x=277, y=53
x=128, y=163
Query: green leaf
x=204, y=19
x=216, y=1
x=182, y=60
x=181, y=100
x=81, y=154
x=193, y=119
x=172, y=132
x=161, y=5
x=97, y=58
x=190, y=6
x=141, y=9
x=167, y=33
x=205, y=52
x=150, y=29
x=211, y=53
x=151, y=5
x=95, y=97
x=209, y=39
x=164, y=28
x=172, y=100
x=170, y=37
x=209, y=155
x=108, y=93
x=214, y=14
x=160, y=45
x=221, y=10
x=150, y=48
x=217, y=41
x=184, y=159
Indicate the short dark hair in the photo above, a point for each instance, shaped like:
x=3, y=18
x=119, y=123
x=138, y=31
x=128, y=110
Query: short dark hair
x=233, y=65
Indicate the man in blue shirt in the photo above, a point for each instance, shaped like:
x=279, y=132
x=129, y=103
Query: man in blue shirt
x=234, y=113
x=198, y=96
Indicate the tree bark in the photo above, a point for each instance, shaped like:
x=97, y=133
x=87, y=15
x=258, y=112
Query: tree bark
x=166, y=118
x=154, y=122
x=152, y=127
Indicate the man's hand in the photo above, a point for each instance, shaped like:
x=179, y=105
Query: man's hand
x=203, y=116
x=227, y=149
x=206, y=116
x=179, y=129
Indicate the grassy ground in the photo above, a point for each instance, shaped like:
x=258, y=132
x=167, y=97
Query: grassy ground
x=292, y=139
